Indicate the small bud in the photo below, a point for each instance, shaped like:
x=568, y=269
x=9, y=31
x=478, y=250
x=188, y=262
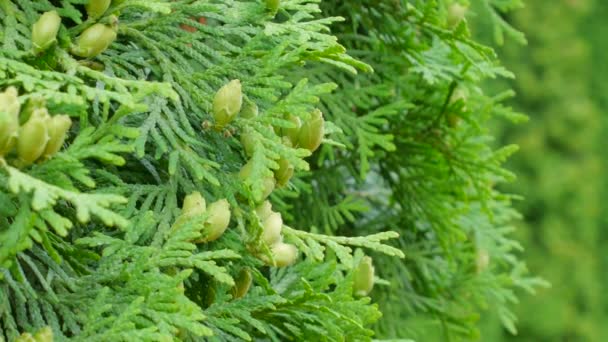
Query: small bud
x=227, y=103
x=194, y=204
x=248, y=141
x=264, y=210
x=268, y=183
x=312, y=131
x=9, y=119
x=293, y=133
x=363, y=277
x=242, y=283
x=218, y=221
x=33, y=137
x=94, y=40
x=250, y=110
x=273, y=225
x=456, y=12
x=44, y=335
x=273, y=5
x=96, y=8
x=284, y=173
x=30, y=106
x=58, y=127
x=284, y=254
x=44, y=31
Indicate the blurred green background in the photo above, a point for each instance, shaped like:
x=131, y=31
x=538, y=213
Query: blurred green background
x=562, y=84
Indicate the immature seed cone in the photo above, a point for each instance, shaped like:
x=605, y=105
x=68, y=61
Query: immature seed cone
x=58, y=127
x=268, y=183
x=227, y=103
x=273, y=5
x=273, y=225
x=364, y=277
x=33, y=137
x=456, y=12
x=284, y=254
x=248, y=141
x=44, y=31
x=264, y=210
x=30, y=106
x=94, y=40
x=312, y=131
x=242, y=283
x=44, y=335
x=293, y=133
x=194, y=204
x=96, y=8
x=9, y=119
x=250, y=110
x=284, y=173
x=218, y=221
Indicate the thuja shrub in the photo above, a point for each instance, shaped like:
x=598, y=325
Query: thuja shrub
x=250, y=170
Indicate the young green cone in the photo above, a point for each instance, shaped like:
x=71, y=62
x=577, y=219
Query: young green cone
x=364, y=277
x=264, y=210
x=284, y=254
x=227, y=103
x=9, y=119
x=44, y=31
x=32, y=104
x=284, y=173
x=312, y=131
x=293, y=133
x=273, y=225
x=273, y=5
x=33, y=137
x=96, y=8
x=95, y=40
x=218, y=221
x=194, y=204
x=242, y=283
x=58, y=127
x=248, y=141
x=456, y=12
x=268, y=183
x=250, y=110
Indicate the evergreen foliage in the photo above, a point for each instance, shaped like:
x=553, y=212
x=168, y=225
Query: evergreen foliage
x=109, y=240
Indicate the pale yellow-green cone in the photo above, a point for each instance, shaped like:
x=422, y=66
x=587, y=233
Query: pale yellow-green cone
x=44, y=335
x=268, y=183
x=242, y=283
x=293, y=133
x=250, y=110
x=273, y=5
x=264, y=210
x=272, y=225
x=248, y=141
x=44, y=31
x=227, y=103
x=218, y=220
x=32, y=104
x=284, y=254
x=456, y=12
x=363, y=277
x=9, y=119
x=284, y=173
x=194, y=204
x=94, y=40
x=33, y=137
x=58, y=127
x=312, y=131
x=96, y=8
